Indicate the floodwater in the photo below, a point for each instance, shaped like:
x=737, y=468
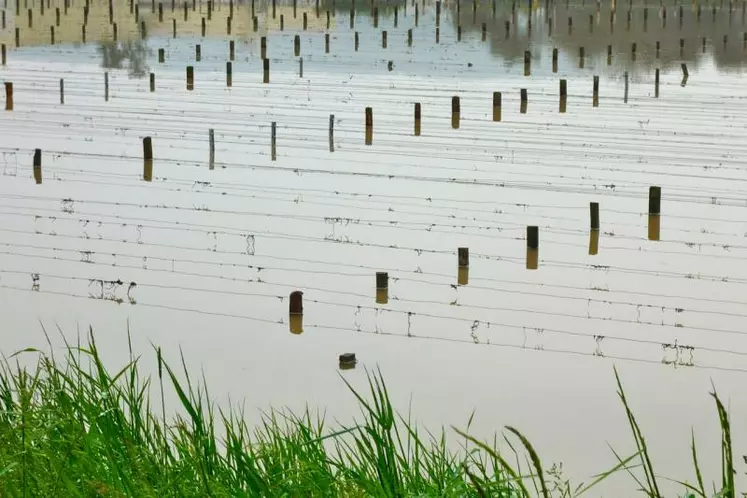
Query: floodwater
x=204, y=256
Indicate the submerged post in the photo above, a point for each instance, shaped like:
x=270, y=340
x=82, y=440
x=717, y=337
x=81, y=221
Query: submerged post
x=563, y=95
x=532, y=259
x=190, y=78
x=295, y=312
x=8, y=96
x=656, y=84
x=463, y=265
x=211, y=143
x=106, y=86
x=554, y=60
x=595, y=92
x=417, y=119
x=331, y=132
x=273, y=143
x=527, y=63
x=152, y=82
x=496, y=106
x=594, y=233
x=524, y=101
x=382, y=287
x=266, y=71
x=369, y=125
x=38, y=166
x=455, y=112
x=147, y=159
x=654, y=212
x=62, y=91
x=229, y=74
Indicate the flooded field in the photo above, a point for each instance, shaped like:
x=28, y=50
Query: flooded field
x=494, y=203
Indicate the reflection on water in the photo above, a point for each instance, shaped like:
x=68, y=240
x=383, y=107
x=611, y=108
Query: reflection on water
x=114, y=55
x=634, y=38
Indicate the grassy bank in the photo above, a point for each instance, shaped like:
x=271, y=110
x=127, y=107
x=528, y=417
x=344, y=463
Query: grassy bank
x=71, y=427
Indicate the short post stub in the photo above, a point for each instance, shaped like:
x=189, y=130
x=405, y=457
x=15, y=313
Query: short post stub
x=38, y=166
x=527, y=63
x=266, y=71
x=656, y=84
x=231, y=50
x=229, y=74
x=609, y=55
x=594, y=215
x=654, y=212
x=62, y=91
x=497, y=106
x=347, y=361
x=532, y=259
x=524, y=101
x=296, y=45
x=198, y=53
x=296, y=312
x=554, y=60
x=463, y=257
x=152, y=82
x=581, y=57
x=147, y=159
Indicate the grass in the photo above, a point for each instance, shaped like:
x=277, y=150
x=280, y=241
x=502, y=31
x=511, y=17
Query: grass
x=75, y=428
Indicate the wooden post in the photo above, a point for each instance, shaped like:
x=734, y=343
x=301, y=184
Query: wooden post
x=581, y=57
x=297, y=45
x=496, y=106
x=527, y=63
x=455, y=112
x=417, y=119
x=263, y=47
x=229, y=74
x=563, y=95
x=160, y=12
x=51, y=35
x=265, y=71
x=594, y=232
x=161, y=55
x=305, y=21
x=300, y=67
x=211, y=143
x=62, y=91
x=625, y=98
x=18, y=37
x=228, y=25
x=295, y=312
x=3, y=54
x=656, y=84
x=106, y=86
x=369, y=126
x=152, y=82
x=198, y=53
x=532, y=247
x=273, y=142
x=633, y=49
x=654, y=212
x=326, y=43
x=463, y=266
x=231, y=50
x=438, y=13
x=484, y=32
x=8, y=96
x=554, y=60
x=38, y=166
x=524, y=101
x=382, y=287
x=190, y=78
x=409, y=37
x=147, y=159
x=595, y=92
x=203, y=27
x=331, y=132
x=383, y=39
x=356, y=41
